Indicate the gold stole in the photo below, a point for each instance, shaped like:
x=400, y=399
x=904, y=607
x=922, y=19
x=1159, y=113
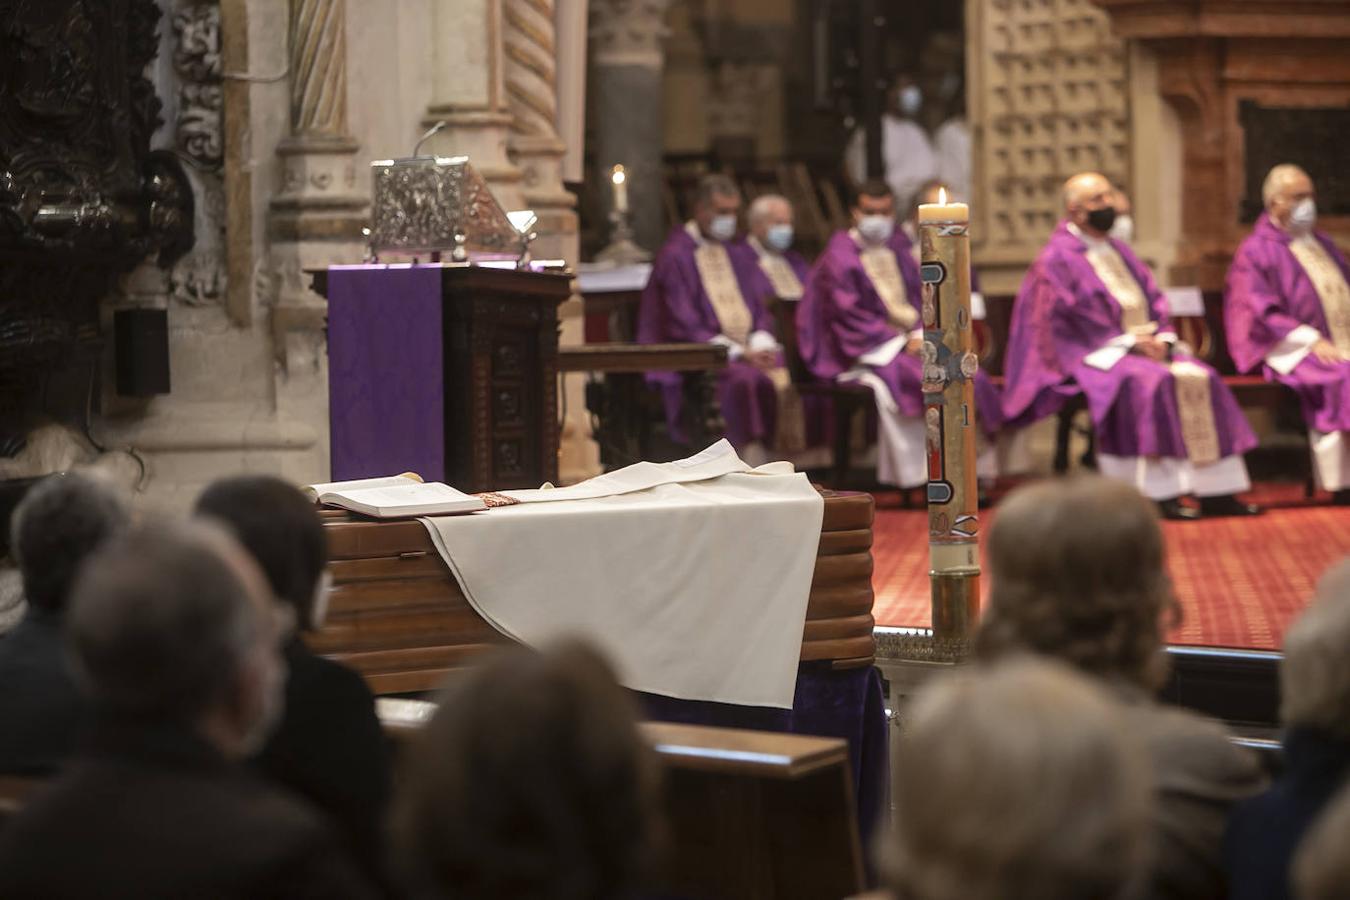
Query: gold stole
x=1194, y=404
x=884, y=272
x=719, y=280
x=778, y=270
x=733, y=317
x=1330, y=286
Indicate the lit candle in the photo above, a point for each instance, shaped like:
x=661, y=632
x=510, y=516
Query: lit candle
x=620, y=179
x=949, y=367
x=942, y=211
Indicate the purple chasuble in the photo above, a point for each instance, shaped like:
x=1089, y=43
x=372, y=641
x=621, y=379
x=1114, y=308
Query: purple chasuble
x=1268, y=295
x=675, y=308
x=763, y=289
x=841, y=317
x=1062, y=313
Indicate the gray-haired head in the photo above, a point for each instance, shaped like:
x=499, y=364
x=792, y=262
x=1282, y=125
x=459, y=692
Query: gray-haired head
x=1018, y=782
x=174, y=623
x=715, y=185
x=59, y=523
x=768, y=209
x=1314, y=677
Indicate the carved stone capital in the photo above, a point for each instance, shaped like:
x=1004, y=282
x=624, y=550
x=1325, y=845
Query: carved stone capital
x=628, y=32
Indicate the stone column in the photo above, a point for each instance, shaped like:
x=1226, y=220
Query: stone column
x=537, y=150
x=469, y=93
x=627, y=58
x=317, y=201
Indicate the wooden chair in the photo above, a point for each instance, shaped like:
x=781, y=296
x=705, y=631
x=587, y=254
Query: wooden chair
x=848, y=401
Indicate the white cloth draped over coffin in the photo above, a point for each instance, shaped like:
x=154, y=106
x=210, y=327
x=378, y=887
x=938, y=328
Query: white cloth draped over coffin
x=692, y=576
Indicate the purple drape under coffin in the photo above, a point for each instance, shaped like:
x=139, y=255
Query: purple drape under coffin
x=1268, y=295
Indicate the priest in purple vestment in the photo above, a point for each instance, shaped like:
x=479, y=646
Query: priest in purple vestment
x=1089, y=317
x=701, y=292
x=859, y=321
x=1287, y=309
x=768, y=245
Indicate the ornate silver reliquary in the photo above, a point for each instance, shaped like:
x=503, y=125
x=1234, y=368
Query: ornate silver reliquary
x=438, y=203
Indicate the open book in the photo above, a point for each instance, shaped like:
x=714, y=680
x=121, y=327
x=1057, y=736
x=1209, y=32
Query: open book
x=395, y=497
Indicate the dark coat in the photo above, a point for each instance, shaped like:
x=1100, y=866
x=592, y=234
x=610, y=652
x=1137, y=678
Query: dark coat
x=154, y=812
x=43, y=715
x=330, y=749
x=1265, y=831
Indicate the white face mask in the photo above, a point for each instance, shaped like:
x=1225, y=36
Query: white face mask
x=722, y=228
x=876, y=229
x=1122, y=229
x=779, y=237
x=911, y=100
x=1303, y=216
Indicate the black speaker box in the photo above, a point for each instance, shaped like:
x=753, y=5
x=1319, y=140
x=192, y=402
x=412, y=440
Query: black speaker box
x=141, y=351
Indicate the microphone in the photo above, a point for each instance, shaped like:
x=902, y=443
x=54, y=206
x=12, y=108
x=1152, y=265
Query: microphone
x=434, y=129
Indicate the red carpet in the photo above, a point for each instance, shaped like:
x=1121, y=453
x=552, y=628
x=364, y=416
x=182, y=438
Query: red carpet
x=1240, y=581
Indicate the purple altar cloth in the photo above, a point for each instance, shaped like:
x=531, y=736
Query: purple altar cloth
x=1268, y=295
x=386, y=373
x=848, y=704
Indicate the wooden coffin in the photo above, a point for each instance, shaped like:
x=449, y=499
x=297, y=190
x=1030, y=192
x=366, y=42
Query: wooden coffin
x=397, y=615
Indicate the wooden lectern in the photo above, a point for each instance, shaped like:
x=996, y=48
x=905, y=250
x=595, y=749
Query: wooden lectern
x=449, y=371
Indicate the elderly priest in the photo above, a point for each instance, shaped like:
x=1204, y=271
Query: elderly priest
x=702, y=292
x=1090, y=314
x=769, y=246
x=859, y=321
x=1287, y=308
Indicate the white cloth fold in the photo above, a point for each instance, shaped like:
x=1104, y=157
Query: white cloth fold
x=693, y=577
x=1331, y=459
x=1164, y=478
x=1285, y=356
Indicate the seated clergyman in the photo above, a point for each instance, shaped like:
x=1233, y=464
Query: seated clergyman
x=1287, y=310
x=700, y=291
x=859, y=321
x=1090, y=318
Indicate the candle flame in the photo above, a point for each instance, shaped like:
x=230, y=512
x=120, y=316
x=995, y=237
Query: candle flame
x=618, y=176
x=942, y=196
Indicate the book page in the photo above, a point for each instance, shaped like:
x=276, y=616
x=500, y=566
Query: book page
x=315, y=491
x=409, y=494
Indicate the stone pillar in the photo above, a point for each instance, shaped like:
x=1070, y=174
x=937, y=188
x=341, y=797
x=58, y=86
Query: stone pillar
x=627, y=58
x=469, y=93
x=535, y=147
x=317, y=217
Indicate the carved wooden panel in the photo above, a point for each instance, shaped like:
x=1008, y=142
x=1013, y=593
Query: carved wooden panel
x=1049, y=98
x=1311, y=137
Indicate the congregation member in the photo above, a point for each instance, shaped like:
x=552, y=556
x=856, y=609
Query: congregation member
x=952, y=141
x=1089, y=318
x=1018, y=781
x=700, y=291
x=176, y=640
x=1287, y=310
x=531, y=780
x=859, y=321
x=43, y=714
x=1078, y=575
x=1265, y=831
x=1322, y=867
x=329, y=746
x=906, y=150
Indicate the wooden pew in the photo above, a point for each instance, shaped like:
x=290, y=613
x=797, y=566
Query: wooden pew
x=752, y=814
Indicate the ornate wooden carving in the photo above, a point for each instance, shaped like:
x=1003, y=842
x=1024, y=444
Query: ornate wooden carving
x=82, y=197
x=1283, y=62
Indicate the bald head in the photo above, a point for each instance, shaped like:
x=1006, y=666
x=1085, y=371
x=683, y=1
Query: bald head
x=1286, y=186
x=1087, y=197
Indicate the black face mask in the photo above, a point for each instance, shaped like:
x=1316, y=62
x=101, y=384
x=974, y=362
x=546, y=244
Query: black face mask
x=1102, y=219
